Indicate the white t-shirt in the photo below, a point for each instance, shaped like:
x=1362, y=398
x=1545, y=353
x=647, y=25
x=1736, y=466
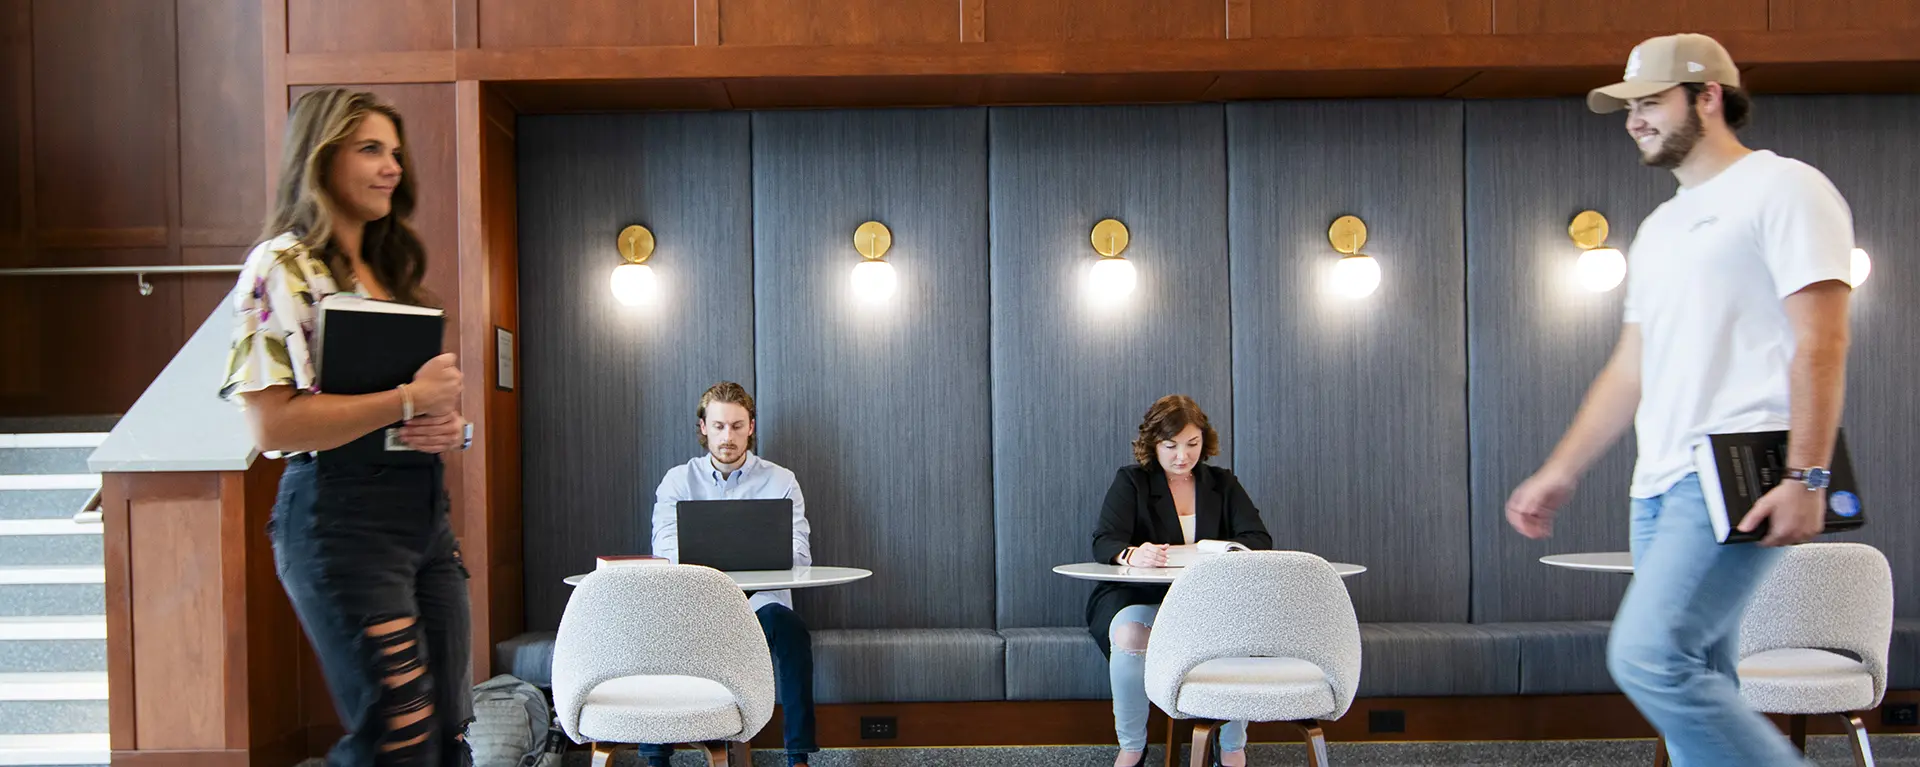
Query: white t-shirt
x=1707, y=273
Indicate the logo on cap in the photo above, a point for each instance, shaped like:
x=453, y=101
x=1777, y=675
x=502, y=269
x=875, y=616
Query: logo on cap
x=1633, y=65
x=1695, y=66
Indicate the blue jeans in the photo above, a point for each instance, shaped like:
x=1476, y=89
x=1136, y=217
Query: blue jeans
x=792, y=648
x=1675, y=644
x=1127, y=673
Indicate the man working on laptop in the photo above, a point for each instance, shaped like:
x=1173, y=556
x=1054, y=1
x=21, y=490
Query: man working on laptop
x=730, y=471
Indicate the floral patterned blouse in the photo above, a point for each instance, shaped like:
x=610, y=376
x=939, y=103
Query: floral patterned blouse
x=275, y=304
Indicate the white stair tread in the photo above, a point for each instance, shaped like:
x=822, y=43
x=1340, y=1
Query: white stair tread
x=53, y=627
x=56, y=574
x=49, y=481
x=77, y=439
x=84, y=748
x=46, y=527
x=54, y=685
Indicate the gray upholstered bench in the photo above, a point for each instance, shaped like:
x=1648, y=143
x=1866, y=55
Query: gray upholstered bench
x=849, y=666
x=1402, y=660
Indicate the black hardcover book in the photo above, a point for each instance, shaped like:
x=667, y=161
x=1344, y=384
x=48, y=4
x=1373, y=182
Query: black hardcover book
x=367, y=346
x=1737, y=469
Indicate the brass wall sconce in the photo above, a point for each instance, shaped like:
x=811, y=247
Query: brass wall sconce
x=633, y=281
x=1600, y=268
x=1112, y=277
x=873, y=278
x=1356, y=274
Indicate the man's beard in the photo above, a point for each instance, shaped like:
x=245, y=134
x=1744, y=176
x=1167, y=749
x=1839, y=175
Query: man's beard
x=1676, y=146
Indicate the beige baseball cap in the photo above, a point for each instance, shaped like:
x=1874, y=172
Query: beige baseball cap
x=1664, y=62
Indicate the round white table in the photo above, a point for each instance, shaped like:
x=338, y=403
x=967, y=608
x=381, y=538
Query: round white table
x=778, y=580
x=1596, y=562
x=1094, y=571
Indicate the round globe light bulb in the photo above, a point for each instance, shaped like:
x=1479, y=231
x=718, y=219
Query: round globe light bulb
x=634, y=284
x=1601, y=269
x=874, y=281
x=1862, y=265
x=1356, y=276
x=1112, y=279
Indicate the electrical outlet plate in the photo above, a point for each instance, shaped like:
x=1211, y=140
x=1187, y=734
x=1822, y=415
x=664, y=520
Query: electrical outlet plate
x=1386, y=721
x=1900, y=715
x=879, y=728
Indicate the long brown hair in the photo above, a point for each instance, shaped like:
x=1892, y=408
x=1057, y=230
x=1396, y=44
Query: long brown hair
x=320, y=123
x=1169, y=416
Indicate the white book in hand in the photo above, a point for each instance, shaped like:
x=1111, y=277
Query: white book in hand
x=1185, y=556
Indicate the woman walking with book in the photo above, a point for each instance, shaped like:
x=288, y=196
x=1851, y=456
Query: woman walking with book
x=1168, y=498
x=362, y=541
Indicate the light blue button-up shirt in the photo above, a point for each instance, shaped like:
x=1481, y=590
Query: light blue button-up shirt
x=756, y=479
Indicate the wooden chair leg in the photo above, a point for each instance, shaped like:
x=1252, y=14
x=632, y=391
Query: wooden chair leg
x=1660, y=751
x=1797, y=731
x=717, y=753
x=1206, y=743
x=1316, y=738
x=1857, y=737
x=1173, y=743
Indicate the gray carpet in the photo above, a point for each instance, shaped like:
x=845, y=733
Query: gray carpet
x=1891, y=751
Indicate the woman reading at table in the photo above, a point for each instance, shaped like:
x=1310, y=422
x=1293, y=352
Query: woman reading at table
x=1168, y=500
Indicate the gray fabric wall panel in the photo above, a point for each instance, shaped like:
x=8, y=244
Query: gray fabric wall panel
x=609, y=391
x=1535, y=340
x=882, y=411
x=1865, y=145
x=1071, y=380
x=1350, y=419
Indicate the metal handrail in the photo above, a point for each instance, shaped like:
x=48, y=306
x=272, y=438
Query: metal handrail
x=139, y=272
x=90, y=512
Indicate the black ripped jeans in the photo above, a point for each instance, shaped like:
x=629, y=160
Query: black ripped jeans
x=368, y=558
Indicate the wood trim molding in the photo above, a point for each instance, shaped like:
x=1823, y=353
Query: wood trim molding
x=476, y=339
x=138, y=237
x=709, y=60
x=1239, y=19
x=22, y=72
x=706, y=22
x=273, y=53
x=466, y=23
x=115, y=503
x=371, y=68
x=1090, y=722
x=973, y=21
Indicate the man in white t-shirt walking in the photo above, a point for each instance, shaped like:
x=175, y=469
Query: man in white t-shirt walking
x=1736, y=320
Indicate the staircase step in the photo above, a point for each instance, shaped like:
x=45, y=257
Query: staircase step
x=51, y=460
x=50, y=542
x=49, y=481
x=56, y=590
x=56, y=643
x=90, y=748
x=42, y=504
x=54, y=685
x=86, y=439
x=58, y=717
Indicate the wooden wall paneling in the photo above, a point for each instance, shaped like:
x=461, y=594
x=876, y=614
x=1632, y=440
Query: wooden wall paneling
x=1537, y=81
x=1312, y=370
x=1368, y=18
x=1338, y=84
x=1794, y=15
x=202, y=294
x=834, y=370
x=102, y=123
x=109, y=342
x=500, y=208
x=369, y=26
x=16, y=117
x=1537, y=17
x=629, y=96
x=787, y=92
x=115, y=501
x=608, y=391
x=1036, y=21
x=274, y=640
x=1168, y=87
x=222, y=149
x=1535, y=340
x=1884, y=77
x=706, y=22
x=273, y=77
x=466, y=24
x=177, y=610
x=973, y=21
x=839, y=22
x=585, y=23
x=1864, y=145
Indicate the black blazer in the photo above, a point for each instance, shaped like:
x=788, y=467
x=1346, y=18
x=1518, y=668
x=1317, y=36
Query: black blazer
x=1139, y=509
